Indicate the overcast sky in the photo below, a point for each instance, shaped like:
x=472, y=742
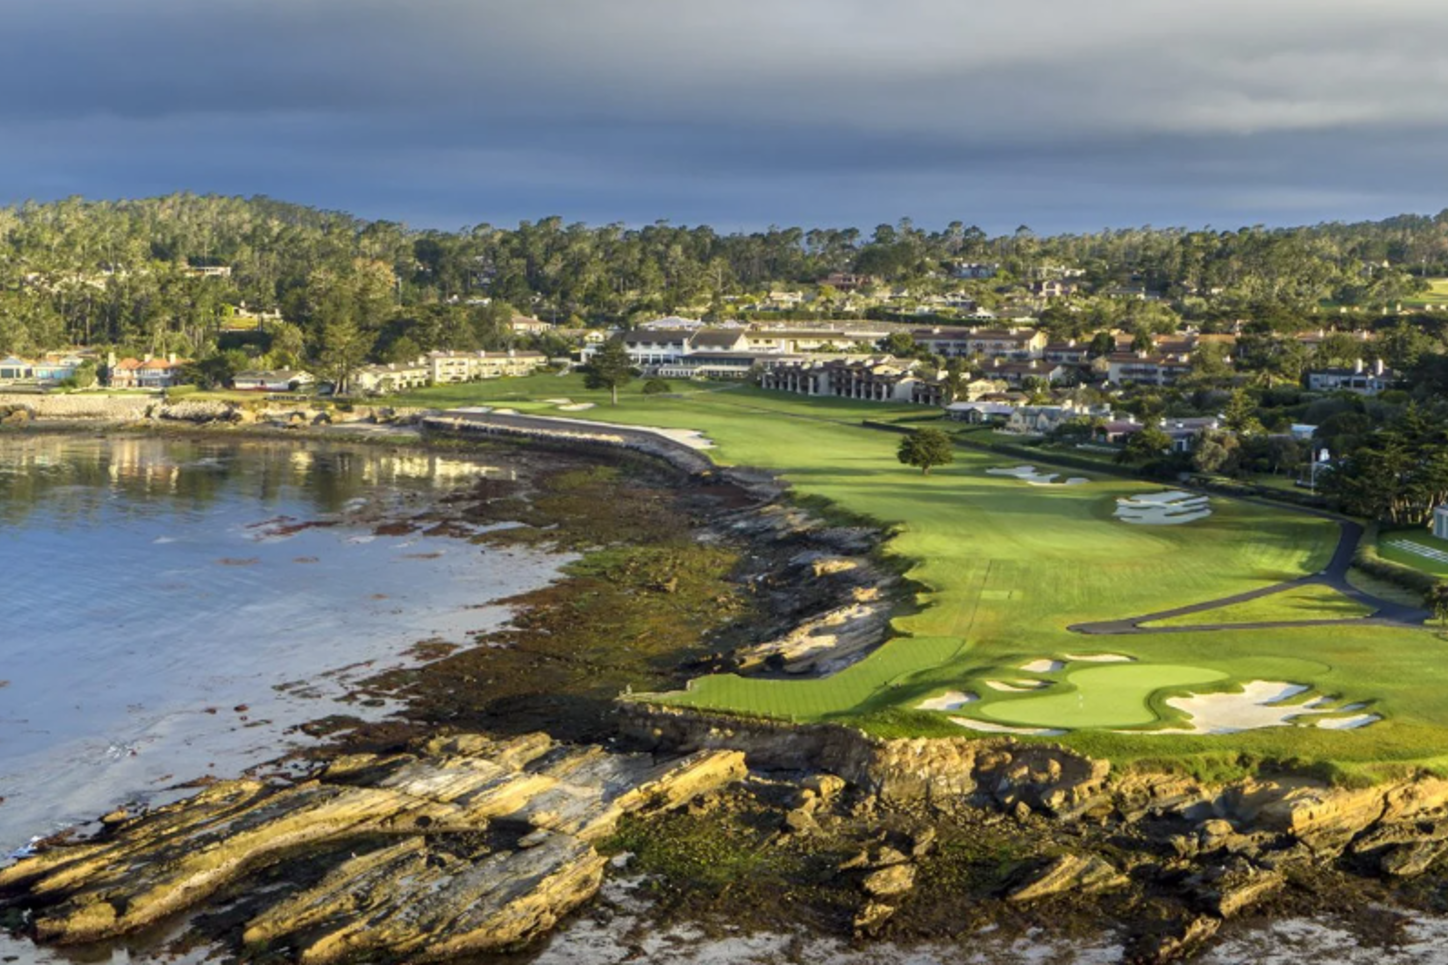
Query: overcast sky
x=1060, y=114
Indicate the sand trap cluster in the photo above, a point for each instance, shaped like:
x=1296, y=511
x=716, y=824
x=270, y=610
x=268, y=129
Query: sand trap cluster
x=1261, y=703
x=1170, y=508
x=950, y=700
x=989, y=728
x=1032, y=475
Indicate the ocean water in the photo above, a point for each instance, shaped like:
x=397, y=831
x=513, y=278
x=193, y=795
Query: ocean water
x=167, y=614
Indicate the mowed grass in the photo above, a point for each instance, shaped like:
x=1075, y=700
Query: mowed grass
x=1114, y=695
x=1008, y=567
x=1311, y=602
x=1437, y=294
x=1389, y=549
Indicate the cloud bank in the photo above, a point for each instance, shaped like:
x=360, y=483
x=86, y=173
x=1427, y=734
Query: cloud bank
x=1063, y=114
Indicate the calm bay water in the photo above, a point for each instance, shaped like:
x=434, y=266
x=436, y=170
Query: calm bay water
x=158, y=593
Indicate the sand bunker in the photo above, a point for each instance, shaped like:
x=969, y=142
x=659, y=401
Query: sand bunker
x=1042, y=666
x=951, y=700
x=1032, y=475
x=1170, y=508
x=1348, y=723
x=576, y=407
x=559, y=401
x=1016, y=686
x=1261, y=703
x=989, y=728
x=1099, y=657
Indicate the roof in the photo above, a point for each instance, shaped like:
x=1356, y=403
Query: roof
x=656, y=335
x=716, y=338
x=162, y=364
x=127, y=365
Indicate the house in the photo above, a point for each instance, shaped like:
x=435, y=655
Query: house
x=1145, y=368
x=991, y=343
x=1040, y=420
x=145, y=373
x=1015, y=374
x=393, y=376
x=449, y=367
x=873, y=379
x=1185, y=432
x=846, y=282
x=279, y=380
x=54, y=369
x=1054, y=288
x=980, y=413
x=1070, y=352
x=1357, y=379
x=975, y=270
x=13, y=369
x=209, y=271
x=125, y=374
x=523, y=325
x=1440, y=522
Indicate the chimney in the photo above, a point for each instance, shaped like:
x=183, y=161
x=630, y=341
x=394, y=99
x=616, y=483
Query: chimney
x=1357, y=367
x=1378, y=367
x=171, y=357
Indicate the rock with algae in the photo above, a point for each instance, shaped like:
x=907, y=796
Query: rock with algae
x=467, y=845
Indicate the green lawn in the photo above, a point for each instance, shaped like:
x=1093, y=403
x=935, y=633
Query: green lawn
x=1437, y=294
x=1009, y=566
x=1389, y=548
x=1311, y=602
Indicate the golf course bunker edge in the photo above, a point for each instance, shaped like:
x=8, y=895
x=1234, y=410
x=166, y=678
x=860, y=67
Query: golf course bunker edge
x=1171, y=507
x=1105, y=696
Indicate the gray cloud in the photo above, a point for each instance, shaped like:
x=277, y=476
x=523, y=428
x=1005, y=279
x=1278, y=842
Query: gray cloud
x=1063, y=113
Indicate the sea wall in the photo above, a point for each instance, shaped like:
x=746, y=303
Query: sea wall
x=574, y=434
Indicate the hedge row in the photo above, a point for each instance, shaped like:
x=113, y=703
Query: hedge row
x=1368, y=560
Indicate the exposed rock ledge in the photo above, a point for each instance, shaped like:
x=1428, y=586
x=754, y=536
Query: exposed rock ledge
x=468, y=845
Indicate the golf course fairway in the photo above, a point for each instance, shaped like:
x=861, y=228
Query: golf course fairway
x=1005, y=568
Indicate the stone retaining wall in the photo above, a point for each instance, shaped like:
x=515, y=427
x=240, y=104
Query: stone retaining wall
x=574, y=434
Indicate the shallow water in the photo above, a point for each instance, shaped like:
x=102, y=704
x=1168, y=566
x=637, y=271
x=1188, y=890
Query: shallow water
x=163, y=621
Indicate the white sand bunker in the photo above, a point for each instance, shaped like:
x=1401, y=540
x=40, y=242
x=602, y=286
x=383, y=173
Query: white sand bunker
x=1261, y=703
x=576, y=407
x=1042, y=666
x=1032, y=475
x=559, y=401
x=950, y=700
x=1170, y=508
x=1016, y=686
x=990, y=728
x=1099, y=657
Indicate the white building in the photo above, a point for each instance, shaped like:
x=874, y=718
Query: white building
x=1440, y=522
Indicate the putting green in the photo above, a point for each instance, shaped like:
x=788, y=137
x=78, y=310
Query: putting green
x=1111, y=696
x=1312, y=602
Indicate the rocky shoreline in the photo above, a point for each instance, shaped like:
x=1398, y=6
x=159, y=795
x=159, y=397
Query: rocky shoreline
x=870, y=839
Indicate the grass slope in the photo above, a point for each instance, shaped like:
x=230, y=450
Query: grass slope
x=1009, y=566
x=1388, y=550
x=1311, y=602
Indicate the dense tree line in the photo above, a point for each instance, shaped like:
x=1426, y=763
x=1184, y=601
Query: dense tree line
x=123, y=273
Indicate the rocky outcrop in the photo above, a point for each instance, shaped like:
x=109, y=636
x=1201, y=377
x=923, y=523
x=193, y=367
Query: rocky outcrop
x=464, y=845
x=945, y=773
x=1078, y=874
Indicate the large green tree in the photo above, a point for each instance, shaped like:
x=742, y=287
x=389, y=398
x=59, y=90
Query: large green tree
x=610, y=368
x=925, y=449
